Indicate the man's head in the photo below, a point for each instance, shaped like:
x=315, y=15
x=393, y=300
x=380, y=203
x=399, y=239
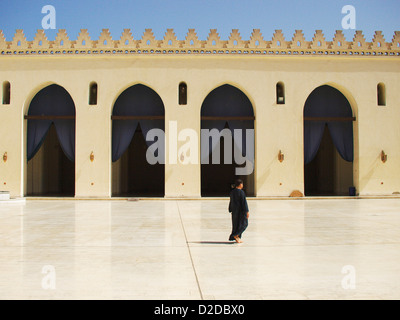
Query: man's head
x=239, y=184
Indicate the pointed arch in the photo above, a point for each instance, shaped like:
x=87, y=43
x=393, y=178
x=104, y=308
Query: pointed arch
x=328, y=142
x=136, y=111
x=50, y=146
x=226, y=111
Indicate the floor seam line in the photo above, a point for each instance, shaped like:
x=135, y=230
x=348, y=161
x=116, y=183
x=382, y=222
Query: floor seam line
x=190, y=253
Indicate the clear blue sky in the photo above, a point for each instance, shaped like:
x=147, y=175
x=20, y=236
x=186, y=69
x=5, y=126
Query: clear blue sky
x=203, y=15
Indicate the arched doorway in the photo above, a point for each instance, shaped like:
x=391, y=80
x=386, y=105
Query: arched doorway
x=51, y=143
x=328, y=143
x=227, y=141
x=136, y=111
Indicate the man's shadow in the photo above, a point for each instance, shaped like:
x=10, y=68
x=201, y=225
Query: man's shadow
x=213, y=242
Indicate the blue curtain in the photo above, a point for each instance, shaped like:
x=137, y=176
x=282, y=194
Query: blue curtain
x=138, y=100
x=122, y=134
x=147, y=125
x=242, y=141
x=227, y=101
x=212, y=143
x=326, y=101
x=313, y=132
x=37, y=131
x=65, y=129
x=342, y=137
x=53, y=100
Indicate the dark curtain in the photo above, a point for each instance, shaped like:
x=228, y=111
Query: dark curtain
x=326, y=101
x=206, y=149
x=313, y=132
x=122, y=134
x=227, y=101
x=147, y=125
x=245, y=141
x=51, y=101
x=342, y=136
x=37, y=132
x=66, y=135
x=138, y=100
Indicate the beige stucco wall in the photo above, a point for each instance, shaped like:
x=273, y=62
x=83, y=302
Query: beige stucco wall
x=278, y=127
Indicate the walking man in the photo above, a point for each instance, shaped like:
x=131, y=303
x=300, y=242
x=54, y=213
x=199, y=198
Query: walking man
x=240, y=212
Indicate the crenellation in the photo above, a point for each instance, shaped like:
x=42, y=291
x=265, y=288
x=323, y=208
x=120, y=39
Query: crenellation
x=105, y=40
x=299, y=42
x=339, y=41
x=3, y=43
x=83, y=41
x=235, y=40
x=278, y=41
x=19, y=41
x=359, y=42
x=319, y=41
x=170, y=40
x=62, y=40
x=192, y=41
x=298, y=45
x=257, y=40
x=214, y=41
x=148, y=40
x=126, y=40
x=40, y=40
x=379, y=42
x=395, y=44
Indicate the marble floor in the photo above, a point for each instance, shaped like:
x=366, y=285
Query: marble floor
x=178, y=249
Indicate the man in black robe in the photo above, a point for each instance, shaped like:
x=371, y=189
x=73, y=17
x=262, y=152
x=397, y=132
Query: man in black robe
x=240, y=212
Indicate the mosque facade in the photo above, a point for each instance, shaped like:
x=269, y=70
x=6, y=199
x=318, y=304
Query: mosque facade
x=113, y=118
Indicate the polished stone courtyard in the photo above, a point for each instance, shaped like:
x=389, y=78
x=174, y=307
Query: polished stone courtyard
x=178, y=249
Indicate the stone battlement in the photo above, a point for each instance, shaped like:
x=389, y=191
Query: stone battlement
x=148, y=44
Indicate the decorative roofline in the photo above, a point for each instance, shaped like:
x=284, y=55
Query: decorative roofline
x=148, y=44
